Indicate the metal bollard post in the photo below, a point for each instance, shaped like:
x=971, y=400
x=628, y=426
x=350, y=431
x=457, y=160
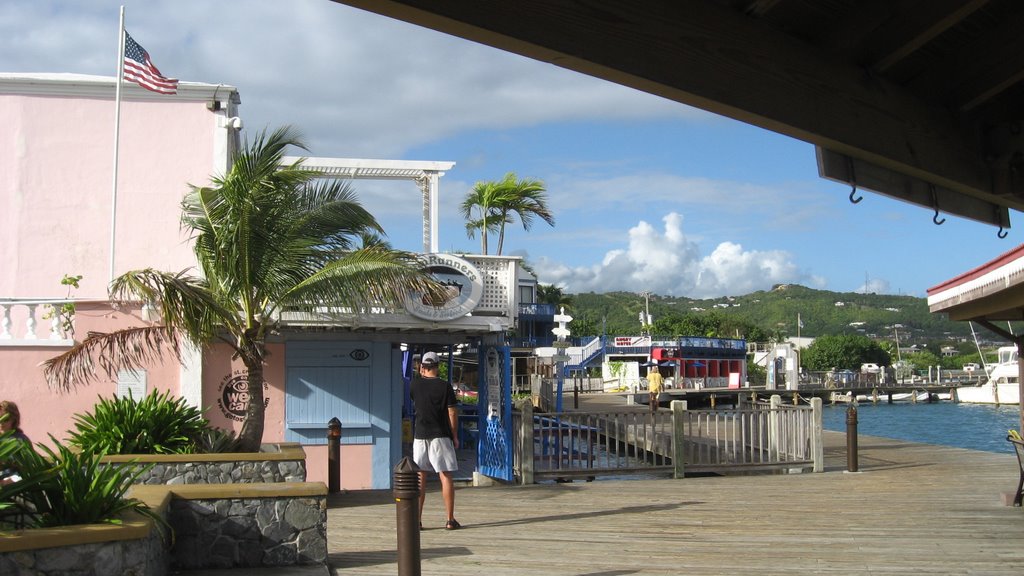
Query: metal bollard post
x=576, y=396
x=407, y=509
x=851, y=438
x=334, y=455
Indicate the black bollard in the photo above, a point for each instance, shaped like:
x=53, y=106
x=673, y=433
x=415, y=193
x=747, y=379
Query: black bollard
x=334, y=455
x=407, y=509
x=576, y=396
x=851, y=438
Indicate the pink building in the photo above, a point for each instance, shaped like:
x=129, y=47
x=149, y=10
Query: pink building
x=62, y=217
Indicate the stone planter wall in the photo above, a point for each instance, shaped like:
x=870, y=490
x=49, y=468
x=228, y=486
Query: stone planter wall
x=216, y=526
x=146, y=557
x=249, y=532
x=134, y=548
x=285, y=462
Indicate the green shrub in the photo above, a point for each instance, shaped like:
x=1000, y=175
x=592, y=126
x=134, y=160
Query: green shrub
x=12, y=509
x=154, y=425
x=216, y=441
x=62, y=487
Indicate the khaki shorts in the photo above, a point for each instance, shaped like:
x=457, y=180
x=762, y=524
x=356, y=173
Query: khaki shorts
x=434, y=455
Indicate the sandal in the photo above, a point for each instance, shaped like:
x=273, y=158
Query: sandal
x=452, y=525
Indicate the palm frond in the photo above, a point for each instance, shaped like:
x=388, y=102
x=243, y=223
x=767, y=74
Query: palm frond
x=373, y=275
x=186, y=303
x=104, y=354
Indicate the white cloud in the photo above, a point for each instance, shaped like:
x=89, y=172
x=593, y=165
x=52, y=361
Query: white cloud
x=666, y=262
x=357, y=84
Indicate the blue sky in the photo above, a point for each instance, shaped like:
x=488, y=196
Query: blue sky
x=648, y=194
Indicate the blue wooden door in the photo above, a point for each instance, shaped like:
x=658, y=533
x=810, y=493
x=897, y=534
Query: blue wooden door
x=353, y=381
x=494, y=450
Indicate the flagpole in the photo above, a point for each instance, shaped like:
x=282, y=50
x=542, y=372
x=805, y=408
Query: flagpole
x=117, y=137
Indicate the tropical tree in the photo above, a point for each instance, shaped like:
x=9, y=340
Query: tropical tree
x=551, y=294
x=844, y=352
x=525, y=198
x=267, y=238
x=480, y=209
x=489, y=206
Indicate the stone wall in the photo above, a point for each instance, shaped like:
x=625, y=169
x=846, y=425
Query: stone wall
x=147, y=556
x=284, y=462
x=215, y=525
x=249, y=532
x=231, y=472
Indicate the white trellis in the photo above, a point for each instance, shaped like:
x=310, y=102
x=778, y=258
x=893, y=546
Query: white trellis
x=426, y=175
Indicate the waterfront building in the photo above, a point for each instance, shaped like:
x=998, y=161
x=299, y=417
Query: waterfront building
x=62, y=218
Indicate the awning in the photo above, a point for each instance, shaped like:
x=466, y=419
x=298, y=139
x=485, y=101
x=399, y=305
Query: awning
x=992, y=292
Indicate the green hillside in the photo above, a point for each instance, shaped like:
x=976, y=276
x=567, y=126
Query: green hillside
x=879, y=316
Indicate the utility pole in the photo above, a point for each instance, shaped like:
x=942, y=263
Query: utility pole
x=645, y=321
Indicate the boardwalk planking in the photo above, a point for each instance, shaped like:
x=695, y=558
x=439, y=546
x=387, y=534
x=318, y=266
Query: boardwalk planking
x=912, y=508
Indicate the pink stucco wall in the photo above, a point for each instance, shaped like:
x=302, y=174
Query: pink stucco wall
x=219, y=370
x=356, y=473
x=56, y=169
x=47, y=411
x=56, y=188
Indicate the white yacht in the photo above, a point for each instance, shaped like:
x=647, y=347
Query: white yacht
x=1002, y=385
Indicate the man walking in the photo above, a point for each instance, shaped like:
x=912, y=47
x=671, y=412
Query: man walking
x=434, y=439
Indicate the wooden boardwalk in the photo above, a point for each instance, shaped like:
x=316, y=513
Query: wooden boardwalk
x=912, y=508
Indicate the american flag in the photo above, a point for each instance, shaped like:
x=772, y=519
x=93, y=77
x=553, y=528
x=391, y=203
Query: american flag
x=139, y=68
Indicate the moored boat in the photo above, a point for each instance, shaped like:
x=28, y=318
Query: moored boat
x=1002, y=385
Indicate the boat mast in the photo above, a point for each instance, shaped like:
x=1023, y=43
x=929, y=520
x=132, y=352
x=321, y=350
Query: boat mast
x=983, y=367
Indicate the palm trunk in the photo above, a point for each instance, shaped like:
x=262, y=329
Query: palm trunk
x=483, y=238
x=251, y=436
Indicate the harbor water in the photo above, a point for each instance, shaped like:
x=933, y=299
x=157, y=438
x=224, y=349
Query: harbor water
x=973, y=426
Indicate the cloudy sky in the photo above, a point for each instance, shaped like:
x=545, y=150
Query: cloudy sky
x=648, y=194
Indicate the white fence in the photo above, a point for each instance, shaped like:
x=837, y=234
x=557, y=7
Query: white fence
x=678, y=441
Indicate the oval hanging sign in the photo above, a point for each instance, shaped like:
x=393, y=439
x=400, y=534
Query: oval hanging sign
x=463, y=288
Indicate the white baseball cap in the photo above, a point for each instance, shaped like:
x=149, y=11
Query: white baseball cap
x=429, y=359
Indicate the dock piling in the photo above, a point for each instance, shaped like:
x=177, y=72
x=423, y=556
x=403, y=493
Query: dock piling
x=851, y=438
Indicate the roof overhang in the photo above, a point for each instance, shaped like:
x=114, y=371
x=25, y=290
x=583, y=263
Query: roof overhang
x=991, y=292
x=916, y=100
x=92, y=86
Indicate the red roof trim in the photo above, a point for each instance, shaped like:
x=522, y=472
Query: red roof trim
x=1000, y=261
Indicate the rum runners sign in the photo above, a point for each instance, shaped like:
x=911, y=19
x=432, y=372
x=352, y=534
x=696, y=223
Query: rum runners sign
x=463, y=288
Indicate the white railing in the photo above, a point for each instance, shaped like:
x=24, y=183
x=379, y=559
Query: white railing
x=39, y=322
x=577, y=356
x=676, y=441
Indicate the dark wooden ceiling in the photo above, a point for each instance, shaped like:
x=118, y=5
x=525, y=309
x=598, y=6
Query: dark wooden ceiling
x=917, y=99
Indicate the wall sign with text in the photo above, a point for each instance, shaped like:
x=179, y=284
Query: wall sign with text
x=463, y=284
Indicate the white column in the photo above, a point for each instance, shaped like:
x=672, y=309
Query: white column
x=434, y=200
x=190, y=378
x=424, y=185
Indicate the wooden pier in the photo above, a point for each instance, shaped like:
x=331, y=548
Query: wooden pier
x=912, y=508
x=712, y=397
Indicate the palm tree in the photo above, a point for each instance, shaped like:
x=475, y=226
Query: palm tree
x=551, y=294
x=525, y=198
x=479, y=208
x=266, y=238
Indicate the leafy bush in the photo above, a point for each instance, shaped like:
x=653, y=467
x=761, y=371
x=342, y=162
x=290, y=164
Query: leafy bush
x=12, y=512
x=216, y=441
x=62, y=487
x=154, y=425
